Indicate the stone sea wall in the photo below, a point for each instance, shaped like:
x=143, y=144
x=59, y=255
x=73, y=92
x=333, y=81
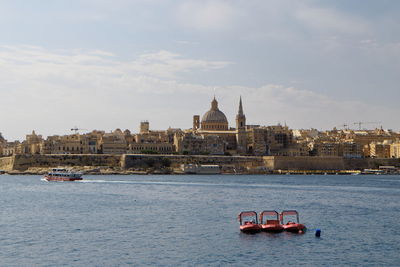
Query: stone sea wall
x=304, y=163
x=24, y=162
x=175, y=161
x=6, y=163
x=370, y=163
x=326, y=163
x=229, y=164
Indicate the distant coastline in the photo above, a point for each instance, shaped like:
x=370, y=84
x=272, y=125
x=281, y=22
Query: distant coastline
x=142, y=164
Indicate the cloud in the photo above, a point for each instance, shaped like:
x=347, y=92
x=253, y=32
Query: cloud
x=52, y=90
x=165, y=64
x=206, y=15
x=47, y=89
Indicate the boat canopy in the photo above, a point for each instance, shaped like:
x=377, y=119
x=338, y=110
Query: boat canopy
x=247, y=214
x=269, y=213
x=289, y=212
x=266, y=213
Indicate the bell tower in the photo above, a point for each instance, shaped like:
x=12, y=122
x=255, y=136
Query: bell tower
x=196, y=122
x=240, y=117
x=241, y=138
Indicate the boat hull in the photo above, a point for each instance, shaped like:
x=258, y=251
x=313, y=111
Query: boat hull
x=62, y=179
x=273, y=228
x=250, y=228
x=294, y=227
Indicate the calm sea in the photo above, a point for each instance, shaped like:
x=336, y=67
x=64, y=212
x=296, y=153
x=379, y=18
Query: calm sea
x=191, y=221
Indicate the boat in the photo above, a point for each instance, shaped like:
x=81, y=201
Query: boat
x=249, y=222
x=270, y=225
x=200, y=169
x=372, y=171
x=290, y=226
x=62, y=174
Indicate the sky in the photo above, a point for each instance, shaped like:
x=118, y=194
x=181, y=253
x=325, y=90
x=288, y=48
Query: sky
x=101, y=64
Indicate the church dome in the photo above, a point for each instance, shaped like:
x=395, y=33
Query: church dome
x=214, y=116
x=214, y=119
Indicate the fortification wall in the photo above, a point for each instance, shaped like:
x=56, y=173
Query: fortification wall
x=7, y=163
x=326, y=163
x=23, y=162
x=304, y=163
x=369, y=163
x=142, y=161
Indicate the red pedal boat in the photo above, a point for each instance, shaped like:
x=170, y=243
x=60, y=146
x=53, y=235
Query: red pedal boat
x=249, y=222
x=290, y=226
x=272, y=225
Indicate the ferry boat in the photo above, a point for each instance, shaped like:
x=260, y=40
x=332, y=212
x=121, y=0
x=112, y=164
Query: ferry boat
x=249, y=222
x=269, y=221
x=290, y=226
x=62, y=174
x=200, y=169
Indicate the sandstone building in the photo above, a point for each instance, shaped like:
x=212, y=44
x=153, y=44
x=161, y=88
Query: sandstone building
x=211, y=134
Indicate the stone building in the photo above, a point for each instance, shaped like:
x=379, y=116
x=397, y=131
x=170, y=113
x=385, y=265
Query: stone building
x=337, y=149
x=190, y=143
x=113, y=143
x=365, y=137
x=31, y=145
x=2, y=144
x=10, y=148
x=245, y=139
x=215, y=124
x=327, y=149
x=71, y=144
x=151, y=141
x=272, y=140
x=352, y=150
x=377, y=149
x=395, y=149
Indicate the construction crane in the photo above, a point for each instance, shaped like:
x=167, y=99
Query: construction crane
x=344, y=126
x=76, y=129
x=363, y=122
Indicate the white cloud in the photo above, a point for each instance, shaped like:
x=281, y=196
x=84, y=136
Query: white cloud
x=51, y=91
x=164, y=64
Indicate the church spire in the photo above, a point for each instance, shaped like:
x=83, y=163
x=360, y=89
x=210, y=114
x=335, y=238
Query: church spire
x=240, y=107
x=240, y=117
x=241, y=138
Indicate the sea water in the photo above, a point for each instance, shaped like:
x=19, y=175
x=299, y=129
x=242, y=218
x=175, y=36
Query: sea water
x=192, y=221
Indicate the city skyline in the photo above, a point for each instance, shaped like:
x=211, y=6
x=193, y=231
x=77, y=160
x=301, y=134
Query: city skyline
x=98, y=65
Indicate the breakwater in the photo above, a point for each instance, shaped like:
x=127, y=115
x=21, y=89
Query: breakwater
x=229, y=164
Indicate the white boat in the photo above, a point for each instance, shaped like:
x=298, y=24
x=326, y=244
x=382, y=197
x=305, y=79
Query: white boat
x=62, y=174
x=200, y=169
